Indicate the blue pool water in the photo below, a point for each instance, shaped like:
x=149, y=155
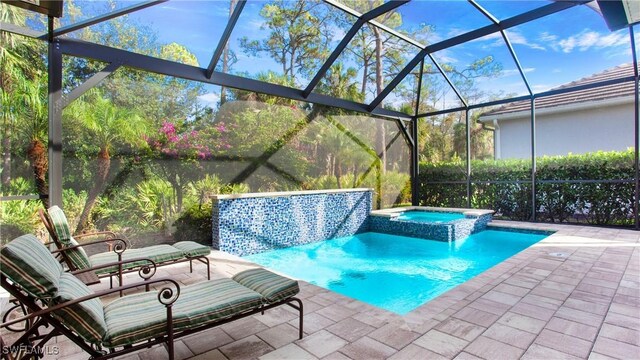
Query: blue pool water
x=393, y=272
x=430, y=216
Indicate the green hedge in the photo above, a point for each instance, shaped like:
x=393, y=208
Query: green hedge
x=596, y=201
x=195, y=224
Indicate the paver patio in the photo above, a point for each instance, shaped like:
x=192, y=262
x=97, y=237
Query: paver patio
x=576, y=294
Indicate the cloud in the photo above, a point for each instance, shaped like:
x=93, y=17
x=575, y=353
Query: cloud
x=210, y=99
x=454, y=31
x=221, y=9
x=547, y=37
x=445, y=57
x=511, y=72
x=588, y=39
x=515, y=37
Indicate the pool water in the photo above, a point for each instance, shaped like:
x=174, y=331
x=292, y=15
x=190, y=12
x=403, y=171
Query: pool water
x=396, y=273
x=430, y=216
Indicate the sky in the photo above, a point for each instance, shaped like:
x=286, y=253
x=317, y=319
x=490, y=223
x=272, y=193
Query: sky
x=554, y=50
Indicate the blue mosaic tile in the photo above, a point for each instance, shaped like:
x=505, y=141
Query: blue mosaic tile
x=245, y=226
x=450, y=231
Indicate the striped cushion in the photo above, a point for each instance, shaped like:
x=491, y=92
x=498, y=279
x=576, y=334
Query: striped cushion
x=78, y=256
x=134, y=318
x=85, y=318
x=191, y=248
x=157, y=253
x=272, y=287
x=28, y=263
x=60, y=225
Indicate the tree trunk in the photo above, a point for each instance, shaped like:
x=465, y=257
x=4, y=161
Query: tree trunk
x=5, y=178
x=178, y=192
x=365, y=74
x=327, y=167
x=284, y=63
x=365, y=67
x=100, y=179
x=225, y=56
x=381, y=141
x=179, y=197
x=37, y=154
x=6, y=156
x=292, y=62
x=338, y=172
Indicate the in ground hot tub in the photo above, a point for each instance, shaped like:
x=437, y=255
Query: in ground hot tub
x=430, y=217
x=444, y=224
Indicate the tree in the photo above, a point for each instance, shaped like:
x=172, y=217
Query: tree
x=22, y=68
x=179, y=150
x=33, y=129
x=299, y=35
x=443, y=137
x=380, y=54
x=340, y=82
x=147, y=99
x=156, y=96
x=228, y=57
x=340, y=149
x=102, y=126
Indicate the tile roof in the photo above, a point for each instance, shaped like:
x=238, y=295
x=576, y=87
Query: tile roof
x=595, y=94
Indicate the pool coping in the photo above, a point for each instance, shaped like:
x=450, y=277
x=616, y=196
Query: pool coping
x=532, y=305
x=530, y=296
x=284, y=193
x=393, y=212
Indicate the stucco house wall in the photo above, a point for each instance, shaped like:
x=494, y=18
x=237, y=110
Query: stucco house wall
x=574, y=128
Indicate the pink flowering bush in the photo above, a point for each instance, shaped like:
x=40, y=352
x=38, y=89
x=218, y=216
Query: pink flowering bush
x=168, y=143
x=186, y=149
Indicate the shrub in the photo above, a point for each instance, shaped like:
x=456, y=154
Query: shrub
x=195, y=225
x=572, y=188
x=395, y=186
x=19, y=217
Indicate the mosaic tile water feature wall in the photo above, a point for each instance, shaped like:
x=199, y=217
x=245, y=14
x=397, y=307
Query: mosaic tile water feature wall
x=454, y=230
x=244, y=225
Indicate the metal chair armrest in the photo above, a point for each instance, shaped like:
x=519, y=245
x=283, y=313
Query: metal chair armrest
x=167, y=296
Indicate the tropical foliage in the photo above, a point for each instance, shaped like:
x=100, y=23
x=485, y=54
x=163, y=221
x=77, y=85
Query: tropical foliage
x=142, y=152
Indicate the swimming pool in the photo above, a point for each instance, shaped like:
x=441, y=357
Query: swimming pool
x=396, y=273
x=432, y=217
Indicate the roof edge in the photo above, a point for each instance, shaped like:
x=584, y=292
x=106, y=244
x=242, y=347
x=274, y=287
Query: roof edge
x=559, y=109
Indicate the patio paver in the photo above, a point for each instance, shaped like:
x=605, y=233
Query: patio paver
x=583, y=304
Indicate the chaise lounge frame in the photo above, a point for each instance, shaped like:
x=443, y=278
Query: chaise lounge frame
x=116, y=244
x=42, y=316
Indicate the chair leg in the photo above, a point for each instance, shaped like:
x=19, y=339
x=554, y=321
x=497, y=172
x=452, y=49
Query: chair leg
x=301, y=323
x=191, y=266
x=206, y=259
x=300, y=309
x=170, y=333
x=120, y=280
x=25, y=340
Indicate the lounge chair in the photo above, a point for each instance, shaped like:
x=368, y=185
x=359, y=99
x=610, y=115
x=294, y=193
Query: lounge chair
x=54, y=297
x=76, y=258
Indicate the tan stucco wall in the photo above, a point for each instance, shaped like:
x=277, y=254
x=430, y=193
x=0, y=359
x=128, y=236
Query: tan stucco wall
x=579, y=131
